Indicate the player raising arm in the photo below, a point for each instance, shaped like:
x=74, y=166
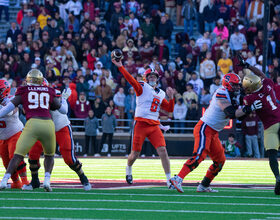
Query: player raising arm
x=149, y=100
x=37, y=100
x=258, y=87
x=223, y=107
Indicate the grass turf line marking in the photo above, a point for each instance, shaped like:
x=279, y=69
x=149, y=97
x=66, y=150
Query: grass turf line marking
x=142, y=210
x=41, y=218
x=139, y=201
x=210, y=195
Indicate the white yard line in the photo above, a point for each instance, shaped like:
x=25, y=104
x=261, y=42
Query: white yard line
x=211, y=195
x=139, y=210
x=139, y=201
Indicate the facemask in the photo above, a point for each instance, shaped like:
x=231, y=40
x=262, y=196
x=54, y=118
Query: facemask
x=152, y=83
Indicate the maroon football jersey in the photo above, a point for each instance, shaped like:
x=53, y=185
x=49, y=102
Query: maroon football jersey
x=270, y=111
x=36, y=100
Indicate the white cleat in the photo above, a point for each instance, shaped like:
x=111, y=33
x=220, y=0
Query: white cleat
x=4, y=184
x=202, y=188
x=87, y=187
x=28, y=187
x=177, y=181
x=169, y=185
x=47, y=184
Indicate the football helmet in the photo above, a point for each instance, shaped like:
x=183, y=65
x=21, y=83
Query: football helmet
x=4, y=89
x=251, y=83
x=149, y=72
x=34, y=77
x=231, y=82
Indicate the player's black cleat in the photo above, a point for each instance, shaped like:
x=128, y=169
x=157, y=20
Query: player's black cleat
x=129, y=179
x=35, y=183
x=277, y=188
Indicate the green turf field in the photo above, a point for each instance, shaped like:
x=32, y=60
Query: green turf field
x=150, y=202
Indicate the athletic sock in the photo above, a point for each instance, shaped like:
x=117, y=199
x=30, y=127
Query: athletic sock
x=83, y=178
x=7, y=176
x=128, y=170
x=47, y=174
x=206, y=182
x=168, y=176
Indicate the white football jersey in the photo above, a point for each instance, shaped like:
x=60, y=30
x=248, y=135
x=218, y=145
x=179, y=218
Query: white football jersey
x=60, y=120
x=214, y=116
x=148, y=103
x=10, y=124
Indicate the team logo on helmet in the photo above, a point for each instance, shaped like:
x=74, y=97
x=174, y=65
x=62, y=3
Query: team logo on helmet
x=4, y=89
x=230, y=81
x=251, y=83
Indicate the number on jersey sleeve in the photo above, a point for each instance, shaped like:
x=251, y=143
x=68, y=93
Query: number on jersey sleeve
x=37, y=100
x=270, y=101
x=155, y=105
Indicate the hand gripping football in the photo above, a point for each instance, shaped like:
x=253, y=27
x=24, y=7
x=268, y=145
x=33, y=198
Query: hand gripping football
x=116, y=55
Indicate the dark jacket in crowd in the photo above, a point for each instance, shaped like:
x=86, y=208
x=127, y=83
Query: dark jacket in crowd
x=109, y=123
x=91, y=125
x=210, y=14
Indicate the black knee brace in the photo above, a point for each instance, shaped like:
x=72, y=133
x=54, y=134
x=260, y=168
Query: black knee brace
x=21, y=165
x=193, y=162
x=77, y=166
x=34, y=165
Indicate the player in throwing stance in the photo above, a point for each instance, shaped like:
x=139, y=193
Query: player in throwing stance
x=258, y=87
x=149, y=100
x=37, y=101
x=223, y=107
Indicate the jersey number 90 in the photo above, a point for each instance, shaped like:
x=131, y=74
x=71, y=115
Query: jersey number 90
x=38, y=100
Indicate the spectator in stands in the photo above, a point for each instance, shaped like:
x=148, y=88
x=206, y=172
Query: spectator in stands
x=221, y=30
x=255, y=11
x=196, y=82
x=165, y=30
x=119, y=100
x=82, y=85
x=91, y=127
x=43, y=17
x=39, y=66
x=4, y=5
x=75, y=8
x=109, y=124
x=24, y=65
x=72, y=23
x=13, y=32
x=161, y=50
x=180, y=83
x=224, y=64
x=205, y=97
x=115, y=16
x=103, y=90
x=189, y=95
x=189, y=14
x=148, y=28
x=236, y=40
x=52, y=8
x=251, y=58
x=179, y=113
x=210, y=14
x=130, y=103
x=27, y=21
x=193, y=113
x=82, y=106
x=203, y=40
x=130, y=50
x=250, y=128
x=232, y=147
x=214, y=86
x=224, y=11
x=208, y=70
x=134, y=24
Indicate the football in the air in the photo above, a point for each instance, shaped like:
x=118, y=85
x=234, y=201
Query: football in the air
x=116, y=55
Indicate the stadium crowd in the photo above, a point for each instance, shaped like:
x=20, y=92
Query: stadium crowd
x=70, y=43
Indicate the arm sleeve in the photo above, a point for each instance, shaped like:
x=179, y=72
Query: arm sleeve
x=136, y=85
x=64, y=107
x=168, y=106
x=7, y=109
